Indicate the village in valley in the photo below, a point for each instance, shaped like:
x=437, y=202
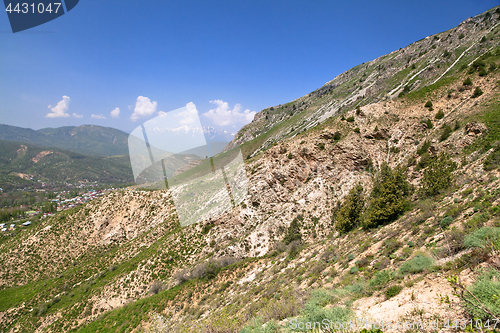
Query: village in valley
x=25, y=216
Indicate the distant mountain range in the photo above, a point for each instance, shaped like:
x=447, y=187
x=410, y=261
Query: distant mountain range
x=217, y=135
x=86, y=153
x=85, y=139
x=91, y=139
x=20, y=162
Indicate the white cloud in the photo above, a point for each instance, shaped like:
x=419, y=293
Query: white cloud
x=98, y=116
x=161, y=113
x=59, y=111
x=115, y=113
x=190, y=115
x=222, y=115
x=143, y=107
x=77, y=115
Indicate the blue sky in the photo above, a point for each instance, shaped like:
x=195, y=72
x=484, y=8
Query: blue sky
x=232, y=57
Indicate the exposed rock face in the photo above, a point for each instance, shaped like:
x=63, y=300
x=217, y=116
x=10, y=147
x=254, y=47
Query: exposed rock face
x=418, y=65
x=382, y=134
x=41, y=155
x=475, y=129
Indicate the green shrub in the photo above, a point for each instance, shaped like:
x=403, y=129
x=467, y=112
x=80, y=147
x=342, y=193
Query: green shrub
x=461, y=36
x=445, y=134
x=417, y=264
x=439, y=114
x=293, y=232
x=429, y=124
x=393, y=291
x=424, y=161
x=206, y=270
x=353, y=290
x=483, y=237
x=478, y=92
x=493, y=160
x=322, y=297
x=446, y=221
x=350, y=119
x=389, y=197
x=467, y=82
x=428, y=104
x=349, y=213
x=483, y=72
x=337, y=136
x=487, y=290
x=314, y=312
x=350, y=257
x=380, y=279
x=477, y=65
x=354, y=270
x=395, y=150
x=256, y=326
x=406, y=88
x=438, y=176
x=423, y=148
x=455, y=210
x=294, y=248
x=357, y=130
x=391, y=245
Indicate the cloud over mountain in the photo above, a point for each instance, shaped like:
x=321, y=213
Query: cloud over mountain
x=59, y=111
x=115, y=113
x=143, y=107
x=223, y=115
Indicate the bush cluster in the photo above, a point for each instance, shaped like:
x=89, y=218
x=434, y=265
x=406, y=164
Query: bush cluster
x=204, y=270
x=293, y=232
x=446, y=132
x=393, y=291
x=417, y=264
x=486, y=290
x=438, y=176
x=477, y=92
x=493, y=160
x=349, y=214
x=389, y=197
x=439, y=114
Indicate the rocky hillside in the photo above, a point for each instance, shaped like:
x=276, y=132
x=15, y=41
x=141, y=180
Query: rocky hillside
x=389, y=211
x=428, y=61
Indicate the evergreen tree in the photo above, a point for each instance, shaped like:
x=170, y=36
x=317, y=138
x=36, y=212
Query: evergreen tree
x=348, y=216
x=293, y=232
x=389, y=197
x=438, y=176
